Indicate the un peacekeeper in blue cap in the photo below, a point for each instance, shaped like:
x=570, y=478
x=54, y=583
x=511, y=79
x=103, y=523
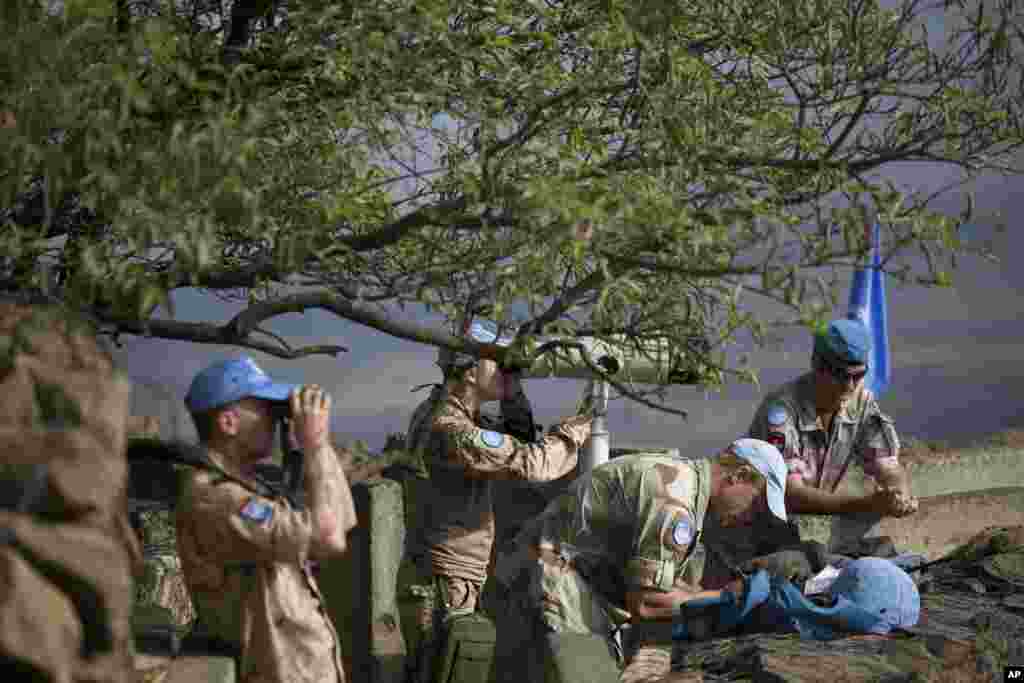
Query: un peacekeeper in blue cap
x=618, y=546
x=824, y=422
x=245, y=552
x=462, y=454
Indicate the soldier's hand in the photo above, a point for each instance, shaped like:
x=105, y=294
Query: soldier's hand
x=311, y=416
x=904, y=504
x=893, y=503
x=576, y=428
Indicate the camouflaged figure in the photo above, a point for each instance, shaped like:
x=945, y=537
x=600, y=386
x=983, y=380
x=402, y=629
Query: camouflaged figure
x=632, y=523
x=461, y=457
x=68, y=553
x=861, y=433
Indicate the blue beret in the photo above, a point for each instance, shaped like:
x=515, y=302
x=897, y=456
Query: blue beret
x=846, y=340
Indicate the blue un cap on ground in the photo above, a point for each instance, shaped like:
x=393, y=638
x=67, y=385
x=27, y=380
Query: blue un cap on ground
x=232, y=380
x=882, y=590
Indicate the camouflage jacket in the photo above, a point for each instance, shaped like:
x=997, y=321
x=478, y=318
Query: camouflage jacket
x=461, y=459
x=860, y=431
x=68, y=552
x=633, y=522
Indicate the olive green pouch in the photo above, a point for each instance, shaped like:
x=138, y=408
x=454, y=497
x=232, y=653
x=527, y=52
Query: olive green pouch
x=467, y=650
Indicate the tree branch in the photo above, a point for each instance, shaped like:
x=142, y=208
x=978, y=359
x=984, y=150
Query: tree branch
x=392, y=233
x=248, y=320
x=206, y=333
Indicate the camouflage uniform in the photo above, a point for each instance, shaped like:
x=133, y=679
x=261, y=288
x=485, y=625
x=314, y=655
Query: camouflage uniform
x=632, y=523
x=787, y=418
x=455, y=533
x=245, y=559
x=67, y=553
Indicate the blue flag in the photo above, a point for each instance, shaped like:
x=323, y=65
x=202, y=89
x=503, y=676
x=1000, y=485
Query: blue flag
x=867, y=304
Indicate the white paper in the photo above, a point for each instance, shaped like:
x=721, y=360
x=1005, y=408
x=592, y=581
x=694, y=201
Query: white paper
x=821, y=581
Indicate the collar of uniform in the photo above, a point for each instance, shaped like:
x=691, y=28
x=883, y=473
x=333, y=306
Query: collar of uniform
x=457, y=403
x=226, y=464
x=702, y=468
x=808, y=418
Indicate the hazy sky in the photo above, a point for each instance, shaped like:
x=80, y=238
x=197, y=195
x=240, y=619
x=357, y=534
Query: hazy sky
x=957, y=354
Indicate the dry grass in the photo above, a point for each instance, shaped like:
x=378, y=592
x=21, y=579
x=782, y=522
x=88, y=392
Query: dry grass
x=923, y=450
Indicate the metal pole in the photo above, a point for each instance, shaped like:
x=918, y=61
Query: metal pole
x=596, y=449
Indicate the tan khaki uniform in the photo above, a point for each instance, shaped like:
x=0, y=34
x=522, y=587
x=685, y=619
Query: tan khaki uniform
x=815, y=456
x=462, y=459
x=454, y=539
x=632, y=523
x=246, y=561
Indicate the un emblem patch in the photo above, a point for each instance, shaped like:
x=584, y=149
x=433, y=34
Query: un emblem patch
x=492, y=439
x=777, y=416
x=682, y=533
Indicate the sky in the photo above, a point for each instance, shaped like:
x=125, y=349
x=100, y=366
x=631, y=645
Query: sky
x=957, y=358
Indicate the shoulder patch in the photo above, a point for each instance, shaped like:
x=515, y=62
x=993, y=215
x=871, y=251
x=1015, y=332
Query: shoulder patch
x=256, y=510
x=682, y=532
x=492, y=439
x=777, y=415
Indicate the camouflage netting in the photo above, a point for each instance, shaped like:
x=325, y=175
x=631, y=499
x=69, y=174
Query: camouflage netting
x=972, y=625
x=68, y=556
x=162, y=584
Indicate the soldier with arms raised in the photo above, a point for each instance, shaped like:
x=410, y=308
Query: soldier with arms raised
x=247, y=557
x=462, y=456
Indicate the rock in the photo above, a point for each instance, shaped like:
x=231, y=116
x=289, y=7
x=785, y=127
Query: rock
x=67, y=570
x=986, y=664
x=1015, y=601
x=974, y=585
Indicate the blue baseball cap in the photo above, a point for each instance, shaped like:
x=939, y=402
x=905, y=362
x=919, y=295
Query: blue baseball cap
x=845, y=340
x=877, y=595
x=767, y=460
x=232, y=380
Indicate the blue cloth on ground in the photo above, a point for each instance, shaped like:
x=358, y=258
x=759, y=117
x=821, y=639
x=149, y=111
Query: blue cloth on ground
x=729, y=612
x=871, y=595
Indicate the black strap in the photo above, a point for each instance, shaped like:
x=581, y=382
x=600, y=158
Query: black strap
x=196, y=456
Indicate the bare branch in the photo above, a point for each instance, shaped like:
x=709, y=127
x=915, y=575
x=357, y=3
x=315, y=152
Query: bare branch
x=205, y=333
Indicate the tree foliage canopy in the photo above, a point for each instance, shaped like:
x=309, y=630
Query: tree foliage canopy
x=638, y=170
